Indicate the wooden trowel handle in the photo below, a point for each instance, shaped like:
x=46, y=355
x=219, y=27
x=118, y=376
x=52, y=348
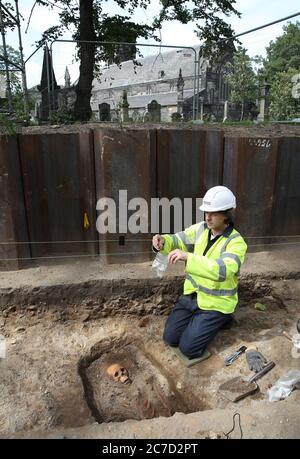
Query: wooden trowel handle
x=287, y=335
x=262, y=372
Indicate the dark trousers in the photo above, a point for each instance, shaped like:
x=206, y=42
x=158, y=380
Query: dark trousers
x=191, y=328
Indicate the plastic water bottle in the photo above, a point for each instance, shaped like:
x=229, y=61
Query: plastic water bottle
x=160, y=264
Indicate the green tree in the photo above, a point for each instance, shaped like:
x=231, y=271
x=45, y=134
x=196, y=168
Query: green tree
x=90, y=22
x=241, y=79
x=277, y=69
x=14, y=57
x=283, y=105
x=15, y=82
x=283, y=53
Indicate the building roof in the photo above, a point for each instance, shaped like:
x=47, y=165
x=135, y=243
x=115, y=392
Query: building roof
x=150, y=70
x=48, y=71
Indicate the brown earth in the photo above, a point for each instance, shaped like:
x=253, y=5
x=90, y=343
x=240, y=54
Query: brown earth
x=54, y=383
x=259, y=130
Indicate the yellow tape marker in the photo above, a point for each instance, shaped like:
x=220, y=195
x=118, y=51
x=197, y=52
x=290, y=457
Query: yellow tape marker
x=86, y=223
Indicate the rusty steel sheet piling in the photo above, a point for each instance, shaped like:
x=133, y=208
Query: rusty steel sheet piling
x=214, y=158
x=125, y=169
x=52, y=181
x=286, y=203
x=189, y=162
x=14, y=247
x=249, y=171
x=59, y=190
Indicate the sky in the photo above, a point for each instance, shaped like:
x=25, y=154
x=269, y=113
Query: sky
x=253, y=14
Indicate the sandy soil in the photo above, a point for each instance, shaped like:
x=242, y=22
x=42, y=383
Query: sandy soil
x=282, y=262
x=53, y=381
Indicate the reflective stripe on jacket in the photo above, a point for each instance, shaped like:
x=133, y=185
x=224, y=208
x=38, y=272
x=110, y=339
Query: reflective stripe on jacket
x=215, y=275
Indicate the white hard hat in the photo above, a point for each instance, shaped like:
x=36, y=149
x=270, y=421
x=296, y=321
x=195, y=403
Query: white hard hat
x=217, y=199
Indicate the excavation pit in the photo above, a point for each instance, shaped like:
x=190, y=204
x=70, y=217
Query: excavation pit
x=150, y=393
x=54, y=375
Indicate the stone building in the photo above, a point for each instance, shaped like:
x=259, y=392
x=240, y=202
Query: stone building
x=166, y=79
x=153, y=78
x=155, y=88
x=48, y=88
x=48, y=96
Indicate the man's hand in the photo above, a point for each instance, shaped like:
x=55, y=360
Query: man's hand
x=177, y=255
x=158, y=242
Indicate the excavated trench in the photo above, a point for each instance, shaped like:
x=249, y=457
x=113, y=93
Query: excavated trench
x=150, y=391
x=55, y=374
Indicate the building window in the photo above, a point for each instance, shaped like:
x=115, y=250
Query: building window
x=224, y=91
x=161, y=74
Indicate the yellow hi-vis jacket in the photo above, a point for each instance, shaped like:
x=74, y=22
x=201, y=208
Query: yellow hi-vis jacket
x=214, y=276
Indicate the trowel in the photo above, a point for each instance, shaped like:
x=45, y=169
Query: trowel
x=237, y=388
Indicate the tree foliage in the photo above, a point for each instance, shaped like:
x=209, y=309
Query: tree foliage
x=14, y=57
x=241, y=79
x=15, y=82
x=283, y=53
x=210, y=28
x=278, y=69
x=89, y=21
x=283, y=103
x=8, y=22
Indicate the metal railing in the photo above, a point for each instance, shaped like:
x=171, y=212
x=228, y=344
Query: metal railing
x=196, y=64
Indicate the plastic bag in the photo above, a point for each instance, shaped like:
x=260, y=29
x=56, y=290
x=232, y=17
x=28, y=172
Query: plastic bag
x=284, y=386
x=160, y=264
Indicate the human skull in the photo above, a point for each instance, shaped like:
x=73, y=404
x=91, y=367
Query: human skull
x=118, y=373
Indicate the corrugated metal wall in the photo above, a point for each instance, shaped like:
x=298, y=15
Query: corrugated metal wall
x=286, y=196
x=50, y=184
x=189, y=162
x=250, y=171
x=125, y=159
x=14, y=239
x=59, y=190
